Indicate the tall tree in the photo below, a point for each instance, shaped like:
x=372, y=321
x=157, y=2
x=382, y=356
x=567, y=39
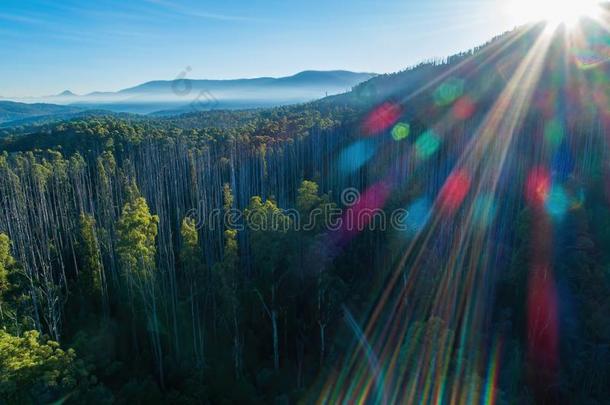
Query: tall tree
x=137, y=233
x=6, y=266
x=192, y=268
x=268, y=226
x=16, y=305
x=6, y=261
x=91, y=275
x=313, y=259
x=227, y=271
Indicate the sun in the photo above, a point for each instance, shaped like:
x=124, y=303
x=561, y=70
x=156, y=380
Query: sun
x=553, y=11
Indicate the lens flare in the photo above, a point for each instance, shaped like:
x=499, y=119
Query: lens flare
x=419, y=213
x=355, y=156
x=427, y=144
x=463, y=108
x=381, y=118
x=401, y=131
x=448, y=91
x=555, y=12
x=537, y=186
x=454, y=191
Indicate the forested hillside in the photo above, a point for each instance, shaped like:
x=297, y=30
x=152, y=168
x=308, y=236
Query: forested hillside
x=11, y=111
x=137, y=264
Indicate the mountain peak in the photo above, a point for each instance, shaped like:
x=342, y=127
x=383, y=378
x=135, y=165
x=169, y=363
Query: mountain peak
x=66, y=93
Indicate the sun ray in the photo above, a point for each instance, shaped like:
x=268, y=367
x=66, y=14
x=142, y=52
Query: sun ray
x=555, y=12
x=386, y=333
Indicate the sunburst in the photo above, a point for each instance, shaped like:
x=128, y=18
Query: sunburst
x=554, y=12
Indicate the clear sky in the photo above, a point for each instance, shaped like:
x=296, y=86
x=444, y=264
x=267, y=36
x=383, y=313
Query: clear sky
x=84, y=45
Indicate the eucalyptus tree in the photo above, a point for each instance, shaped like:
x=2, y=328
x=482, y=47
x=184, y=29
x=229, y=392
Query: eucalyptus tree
x=136, y=247
x=268, y=227
x=231, y=282
x=6, y=266
x=91, y=277
x=194, y=280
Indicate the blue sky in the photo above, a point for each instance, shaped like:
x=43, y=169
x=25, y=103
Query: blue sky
x=49, y=46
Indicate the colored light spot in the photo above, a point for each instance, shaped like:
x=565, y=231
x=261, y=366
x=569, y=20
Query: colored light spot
x=597, y=53
x=463, y=108
x=493, y=371
x=542, y=318
x=537, y=186
x=355, y=156
x=401, y=131
x=586, y=58
x=484, y=210
x=427, y=144
x=419, y=213
x=454, y=191
x=554, y=133
x=381, y=118
x=364, y=213
x=557, y=202
x=449, y=91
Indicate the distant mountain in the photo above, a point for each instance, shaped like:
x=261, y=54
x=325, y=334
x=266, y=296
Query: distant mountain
x=184, y=95
x=174, y=97
x=66, y=93
x=12, y=111
x=319, y=81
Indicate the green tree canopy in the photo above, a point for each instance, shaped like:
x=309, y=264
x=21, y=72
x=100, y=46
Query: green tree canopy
x=6, y=262
x=91, y=258
x=33, y=371
x=137, y=232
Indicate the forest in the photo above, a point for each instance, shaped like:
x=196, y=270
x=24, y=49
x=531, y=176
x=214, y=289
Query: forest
x=118, y=286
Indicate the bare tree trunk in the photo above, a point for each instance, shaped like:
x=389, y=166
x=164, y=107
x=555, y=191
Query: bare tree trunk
x=300, y=359
x=322, y=342
x=236, y=347
x=276, y=349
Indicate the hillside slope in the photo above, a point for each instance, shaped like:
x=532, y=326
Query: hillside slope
x=11, y=111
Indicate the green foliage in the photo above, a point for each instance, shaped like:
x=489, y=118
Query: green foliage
x=268, y=225
x=190, y=238
x=190, y=253
x=226, y=270
x=209, y=128
x=33, y=371
x=227, y=196
x=137, y=233
x=6, y=262
x=90, y=257
x=231, y=255
x=307, y=196
x=15, y=299
x=308, y=199
x=230, y=260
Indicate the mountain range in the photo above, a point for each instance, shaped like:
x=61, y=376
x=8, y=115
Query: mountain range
x=169, y=97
